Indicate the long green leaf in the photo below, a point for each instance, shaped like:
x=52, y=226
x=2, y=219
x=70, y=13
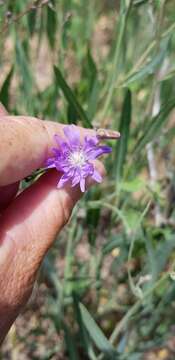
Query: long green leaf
x=23, y=65
x=71, y=98
x=125, y=7
x=96, y=334
x=31, y=18
x=149, y=68
x=168, y=75
x=154, y=126
x=26, y=76
x=94, y=85
x=4, y=92
x=86, y=343
x=51, y=25
x=122, y=145
x=139, y=2
x=70, y=342
x=92, y=68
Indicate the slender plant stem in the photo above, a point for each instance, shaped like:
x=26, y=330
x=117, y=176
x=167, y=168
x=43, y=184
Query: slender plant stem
x=111, y=81
x=122, y=324
x=134, y=308
x=94, y=204
x=69, y=256
x=34, y=6
x=152, y=109
x=144, y=56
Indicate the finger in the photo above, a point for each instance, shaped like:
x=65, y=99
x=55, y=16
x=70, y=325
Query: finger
x=25, y=144
x=28, y=228
x=7, y=193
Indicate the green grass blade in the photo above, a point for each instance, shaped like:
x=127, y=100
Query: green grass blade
x=92, y=69
x=139, y=2
x=124, y=128
x=31, y=19
x=113, y=75
x=96, y=334
x=169, y=75
x=154, y=126
x=86, y=343
x=51, y=24
x=93, y=99
x=23, y=65
x=149, y=68
x=27, y=78
x=71, y=98
x=4, y=92
x=70, y=342
x=94, y=85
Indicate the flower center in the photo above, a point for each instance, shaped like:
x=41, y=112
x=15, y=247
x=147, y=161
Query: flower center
x=77, y=158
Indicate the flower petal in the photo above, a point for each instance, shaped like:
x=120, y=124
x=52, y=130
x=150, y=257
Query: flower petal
x=73, y=135
x=63, y=145
x=56, y=152
x=97, y=177
x=59, y=140
x=98, y=151
x=75, y=180
x=87, y=169
x=50, y=163
x=64, y=178
x=91, y=140
x=82, y=184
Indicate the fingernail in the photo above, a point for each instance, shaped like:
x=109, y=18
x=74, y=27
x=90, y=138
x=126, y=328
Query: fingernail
x=107, y=134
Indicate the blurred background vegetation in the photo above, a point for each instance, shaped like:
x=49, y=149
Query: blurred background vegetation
x=106, y=289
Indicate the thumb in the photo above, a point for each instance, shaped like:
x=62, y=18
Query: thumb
x=27, y=230
x=7, y=193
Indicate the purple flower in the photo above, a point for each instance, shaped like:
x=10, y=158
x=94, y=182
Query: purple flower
x=74, y=158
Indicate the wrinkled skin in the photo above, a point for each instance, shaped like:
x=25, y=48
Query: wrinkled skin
x=30, y=221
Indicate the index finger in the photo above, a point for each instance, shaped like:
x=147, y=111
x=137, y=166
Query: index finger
x=24, y=145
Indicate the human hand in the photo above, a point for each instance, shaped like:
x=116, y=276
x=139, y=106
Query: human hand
x=30, y=221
